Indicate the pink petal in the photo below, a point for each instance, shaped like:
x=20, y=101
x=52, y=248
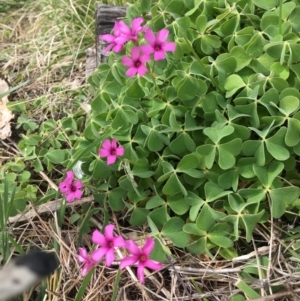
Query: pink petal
x=133, y=248
x=132, y=71
x=86, y=268
x=124, y=28
x=111, y=159
x=159, y=55
x=70, y=176
x=107, y=38
x=83, y=255
x=144, y=58
x=110, y=257
x=162, y=35
x=120, y=151
x=118, y=48
x=147, y=49
x=117, y=31
x=148, y=246
x=78, y=184
x=127, y=261
x=106, y=144
x=142, y=70
x=151, y=264
x=119, y=241
x=168, y=46
x=140, y=272
x=127, y=61
x=78, y=194
x=104, y=152
x=98, y=238
x=150, y=37
x=108, y=48
x=109, y=232
x=136, y=24
x=135, y=53
x=65, y=187
x=98, y=254
x=114, y=143
x=70, y=197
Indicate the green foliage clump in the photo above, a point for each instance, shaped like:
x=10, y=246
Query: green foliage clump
x=211, y=134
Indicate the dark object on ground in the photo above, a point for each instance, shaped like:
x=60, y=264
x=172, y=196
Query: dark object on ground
x=25, y=271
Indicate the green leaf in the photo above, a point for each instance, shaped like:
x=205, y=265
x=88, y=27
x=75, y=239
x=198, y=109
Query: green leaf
x=154, y=141
x=233, y=83
x=276, y=146
x=228, y=152
x=245, y=288
x=282, y=197
x=173, y=186
x=189, y=161
x=154, y=202
x=197, y=247
x=250, y=222
x=242, y=60
x=194, y=9
x=115, y=198
x=209, y=43
x=173, y=230
x=292, y=136
x=177, y=203
x=193, y=229
x=205, y=219
x=145, y=6
x=139, y=216
x=220, y=240
x=289, y=104
x=135, y=90
x=56, y=156
x=100, y=169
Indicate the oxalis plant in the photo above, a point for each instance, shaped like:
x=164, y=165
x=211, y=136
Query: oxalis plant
x=194, y=126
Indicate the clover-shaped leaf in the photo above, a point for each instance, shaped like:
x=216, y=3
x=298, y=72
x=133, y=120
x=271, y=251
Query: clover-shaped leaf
x=233, y=83
x=173, y=230
x=282, y=197
x=228, y=152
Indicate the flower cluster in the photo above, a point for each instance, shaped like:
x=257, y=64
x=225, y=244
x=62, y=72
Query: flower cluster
x=140, y=55
x=71, y=189
x=107, y=244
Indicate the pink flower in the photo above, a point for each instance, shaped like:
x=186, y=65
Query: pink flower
x=89, y=263
x=111, y=151
x=158, y=44
x=136, y=62
x=136, y=28
x=116, y=41
x=71, y=189
x=141, y=256
x=107, y=244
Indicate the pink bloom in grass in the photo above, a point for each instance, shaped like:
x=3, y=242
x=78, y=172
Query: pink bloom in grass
x=107, y=244
x=71, y=189
x=141, y=256
x=136, y=28
x=136, y=62
x=89, y=263
x=116, y=41
x=111, y=151
x=158, y=44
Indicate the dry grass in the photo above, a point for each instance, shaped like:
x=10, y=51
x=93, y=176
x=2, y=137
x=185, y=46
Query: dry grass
x=52, y=55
